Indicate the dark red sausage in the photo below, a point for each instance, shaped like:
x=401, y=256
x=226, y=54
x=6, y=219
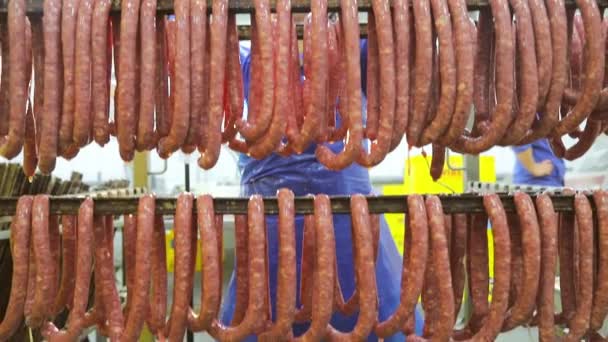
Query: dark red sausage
x=100, y=65
x=162, y=117
x=415, y=244
x=566, y=267
x=548, y=229
x=129, y=249
x=234, y=81
x=242, y=281
x=457, y=253
x=402, y=35
x=600, y=299
x=68, y=262
x=176, y=327
x=217, y=72
x=37, y=83
x=307, y=266
x=210, y=275
x=30, y=157
x=372, y=77
x=20, y=242
x=111, y=300
x=4, y=87
x=158, y=305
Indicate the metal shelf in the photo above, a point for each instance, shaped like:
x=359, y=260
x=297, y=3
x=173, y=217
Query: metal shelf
x=466, y=203
x=246, y=6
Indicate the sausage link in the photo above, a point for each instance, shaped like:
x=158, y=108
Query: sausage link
x=20, y=242
x=600, y=300
x=100, y=65
x=145, y=127
x=504, y=84
x=272, y=138
x=4, y=79
x=548, y=225
x=217, y=71
x=594, y=69
x=437, y=161
x=525, y=301
x=37, y=83
x=445, y=108
x=415, y=258
x=11, y=144
x=156, y=315
x=324, y=275
x=544, y=53
x=457, y=253
x=286, y=291
x=549, y=116
x=210, y=277
x=46, y=272
x=162, y=118
x=129, y=250
x=566, y=267
x=69, y=12
x=176, y=327
x=242, y=284
x=372, y=80
x=386, y=79
x=68, y=253
x=324, y=154
x=422, y=70
x=584, y=296
x=335, y=72
x=255, y=307
x=365, y=279
x=82, y=74
x=30, y=155
x=303, y=314
x=234, y=81
x=84, y=258
x=477, y=265
x=528, y=74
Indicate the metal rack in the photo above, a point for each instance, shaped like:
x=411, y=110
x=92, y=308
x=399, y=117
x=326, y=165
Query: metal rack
x=246, y=6
x=465, y=203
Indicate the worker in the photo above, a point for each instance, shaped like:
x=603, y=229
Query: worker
x=304, y=175
x=536, y=164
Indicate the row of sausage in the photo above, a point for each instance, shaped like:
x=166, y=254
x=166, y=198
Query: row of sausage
x=443, y=254
x=530, y=69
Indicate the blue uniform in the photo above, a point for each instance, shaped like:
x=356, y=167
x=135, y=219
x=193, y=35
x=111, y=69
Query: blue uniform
x=541, y=150
x=304, y=175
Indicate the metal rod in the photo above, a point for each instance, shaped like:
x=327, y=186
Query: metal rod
x=464, y=203
x=246, y=6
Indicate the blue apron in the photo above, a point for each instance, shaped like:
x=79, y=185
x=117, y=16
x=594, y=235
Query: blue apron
x=304, y=175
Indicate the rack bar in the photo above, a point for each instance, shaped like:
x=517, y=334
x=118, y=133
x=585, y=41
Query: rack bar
x=467, y=203
x=246, y=6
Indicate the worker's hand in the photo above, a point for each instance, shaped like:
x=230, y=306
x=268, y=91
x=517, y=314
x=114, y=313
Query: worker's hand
x=544, y=168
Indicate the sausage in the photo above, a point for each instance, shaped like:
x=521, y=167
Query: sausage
x=517, y=262
x=544, y=54
x=549, y=116
x=593, y=128
x=68, y=253
x=303, y=314
x=141, y=282
x=386, y=79
x=145, y=126
x=584, y=296
x=234, y=81
x=566, y=267
x=156, y=314
x=31, y=283
x=594, y=70
x=548, y=230
x=324, y=154
x=69, y=12
x=477, y=264
x=30, y=157
x=20, y=242
x=365, y=279
x=335, y=72
x=242, y=285
x=504, y=84
x=111, y=300
x=125, y=116
x=525, y=302
x=372, y=80
x=252, y=130
x=437, y=161
x=176, y=327
x=401, y=34
x=82, y=74
x=115, y=22
x=457, y=253
x=286, y=291
x=255, y=307
x=210, y=277
x=162, y=118
x=324, y=275
x=129, y=250
x=528, y=74
x=217, y=59
x=415, y=244
x=272, y=138
x=11, y=145
x=100, y=65
x=84, y=257
x=483, y=71
x=4, y=79
x=219, y=229
x=445, y=108
x=37, y=83
x=600, y=300
x=46, y=272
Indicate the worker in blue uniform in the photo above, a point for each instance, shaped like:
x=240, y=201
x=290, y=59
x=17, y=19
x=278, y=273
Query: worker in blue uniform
x=304, y=175
x=536, y=164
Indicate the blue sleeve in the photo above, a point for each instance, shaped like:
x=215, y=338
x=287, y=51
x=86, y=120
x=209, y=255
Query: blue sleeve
x=245, y=68
x=521, y=148
x=363, y=49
